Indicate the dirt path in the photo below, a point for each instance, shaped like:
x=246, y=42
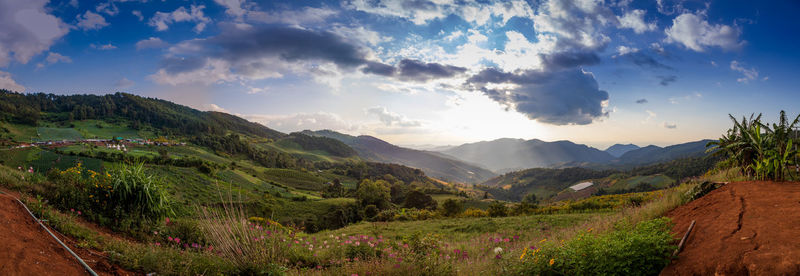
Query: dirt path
x=27, y=249
x=744, y=228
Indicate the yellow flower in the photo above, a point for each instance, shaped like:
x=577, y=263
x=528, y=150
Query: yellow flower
x=543, y=240
x=552, y=261
x=91, y=196
x=523, y=253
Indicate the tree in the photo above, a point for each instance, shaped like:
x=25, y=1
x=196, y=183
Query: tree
x=452, y=207
x=419, y=200
x=530, y=198
x=373, y=192
x=498, y=209
x=334, y=189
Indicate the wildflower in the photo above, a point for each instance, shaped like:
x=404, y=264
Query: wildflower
x=505, y=240
x=79, y=213
x=498, y=250
x=523, y=253
x=158, y=244
x=177, y=240
x=552, y=261
x=498, y=256
x=169, y=238
x=543, y=240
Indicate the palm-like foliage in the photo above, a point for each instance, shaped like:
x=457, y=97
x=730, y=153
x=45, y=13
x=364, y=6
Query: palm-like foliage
x=761, y=151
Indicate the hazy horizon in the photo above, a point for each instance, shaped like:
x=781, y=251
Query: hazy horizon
x=424, y=72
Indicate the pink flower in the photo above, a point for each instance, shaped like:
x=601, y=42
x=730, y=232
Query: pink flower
x=177, y=240
x=72, y=210
x=169, y=238
x=498, y=256
x=79, y=213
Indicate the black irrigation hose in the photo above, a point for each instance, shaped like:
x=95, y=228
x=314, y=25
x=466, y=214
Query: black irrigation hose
x=88, y=269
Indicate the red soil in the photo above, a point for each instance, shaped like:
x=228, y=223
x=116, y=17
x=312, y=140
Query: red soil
x=30, y=250
x=745, y=228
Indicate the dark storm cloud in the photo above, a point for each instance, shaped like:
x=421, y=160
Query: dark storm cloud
x=666, y=80
x=290, y=44
x=246, y=52
x=569, y=59
x=179, y=64
x=378, y=68
x=645, y=61
x=420, y=71
x=560, y=97
x=641, y=101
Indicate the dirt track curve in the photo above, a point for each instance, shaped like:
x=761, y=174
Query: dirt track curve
x=743, y=228
x=27, y=249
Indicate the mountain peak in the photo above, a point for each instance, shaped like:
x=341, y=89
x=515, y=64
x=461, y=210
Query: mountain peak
x=618, y=150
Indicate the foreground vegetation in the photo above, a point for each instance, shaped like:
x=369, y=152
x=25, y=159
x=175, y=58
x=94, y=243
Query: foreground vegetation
x=225, y=240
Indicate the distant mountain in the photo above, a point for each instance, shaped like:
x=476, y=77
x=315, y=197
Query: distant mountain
x=654, y=154
x=618, y=150
x=504, y=155
x=433, y=164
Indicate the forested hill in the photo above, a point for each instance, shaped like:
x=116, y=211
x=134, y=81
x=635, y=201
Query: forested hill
x=163, y=115
x=433, y=164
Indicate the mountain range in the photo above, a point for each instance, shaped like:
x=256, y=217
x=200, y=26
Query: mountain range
x=506, y=155
x=432, y=163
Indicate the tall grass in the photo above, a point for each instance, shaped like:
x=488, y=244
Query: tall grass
x=139, y=194
x=255, y=247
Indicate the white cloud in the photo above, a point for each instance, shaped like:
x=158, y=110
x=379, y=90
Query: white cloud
x=138, y=15
x=292, y=17
x=635, y=20
x=56, y=57
x=213, y=107
x=576, y=24
x=670, y=125
x=390, y=118
x=694, y=32
x=107, y=8
x=256, y=90
x=124, y=83
x=108, y=46
x=152, y=42
x=91, y=21
x=162, y=20
x=748, y=74
x=362, y=35
x=232, y=7
x=26, y=30
x=303, y=121
x=677, y=100
x=8, y=83
x=624, y=50
x=418, y=12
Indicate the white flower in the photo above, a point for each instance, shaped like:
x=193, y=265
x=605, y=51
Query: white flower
x=498, y=250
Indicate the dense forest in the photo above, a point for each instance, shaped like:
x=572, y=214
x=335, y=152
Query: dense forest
x=139, y=111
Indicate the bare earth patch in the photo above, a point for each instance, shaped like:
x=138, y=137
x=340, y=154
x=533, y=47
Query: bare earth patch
x=743, y=228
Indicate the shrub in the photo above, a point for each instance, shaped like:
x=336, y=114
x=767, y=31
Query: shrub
x=452, y=207
x=419, y=200
x=643, y=249
x=498, y=209
x=137, y=195
x=475, y=213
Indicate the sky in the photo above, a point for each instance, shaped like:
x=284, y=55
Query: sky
x=424, y=73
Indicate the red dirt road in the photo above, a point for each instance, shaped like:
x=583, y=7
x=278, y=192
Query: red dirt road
x=27, y=249
x=744, y=228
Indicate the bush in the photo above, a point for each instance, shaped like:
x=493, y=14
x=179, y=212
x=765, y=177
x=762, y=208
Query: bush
x=643, y=249
x=452, y=207
x=125, y=198
x=475, y=213
x=498, y=209
x=419, y=200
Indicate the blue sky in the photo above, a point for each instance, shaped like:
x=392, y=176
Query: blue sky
x=422, y=72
